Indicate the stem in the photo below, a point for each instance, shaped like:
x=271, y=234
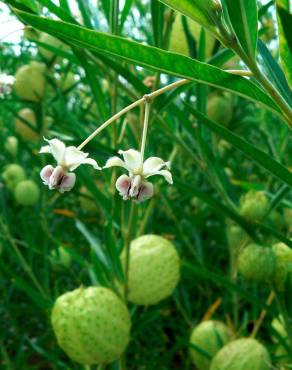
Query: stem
x=127, y=247
x=138, y=102
x=260, y=320
x=145, y=129
x=262, y=79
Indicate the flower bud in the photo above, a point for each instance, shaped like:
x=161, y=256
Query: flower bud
x=219, y=109
x=27, y=193
x=253, y=206
x=12, y=175
x=209, y=336
x=92, y=325
x=283, y=258
x=257, y=263
x=11, y=145
x=154, y=269
x=242, y=354
x=30, y=81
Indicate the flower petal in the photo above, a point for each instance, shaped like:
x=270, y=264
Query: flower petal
x=57, y=149
x=92, y=162
x=115, y=161
x=123, y=184
x=153, y=164
x=46, y=173
x=45, y=149
x=146, y=191
x=135, y=186
x=67, y=183
x=166, y=174
x=133, y=160
x=56, y=177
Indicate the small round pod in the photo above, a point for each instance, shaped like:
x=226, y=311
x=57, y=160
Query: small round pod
x=30, y=81
x=257, y=263
x=154, y=269
x=11, y=145
x=219, y=109
x=52, y=41
x=209, y=336
x=12, y=175
x=23, y=129
x=242, y=354
x=253, y=206
x=27, y=193
x=283, y=265
x=92, y=325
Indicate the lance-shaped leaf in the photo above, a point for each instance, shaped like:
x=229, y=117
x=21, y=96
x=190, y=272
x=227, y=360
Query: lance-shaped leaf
x=199, y=10
x=151, y=57
x=284, y=19
x=243, y=16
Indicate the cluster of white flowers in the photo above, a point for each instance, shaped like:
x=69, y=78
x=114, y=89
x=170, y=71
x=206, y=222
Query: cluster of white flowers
x=6, y=84
x=132, y=186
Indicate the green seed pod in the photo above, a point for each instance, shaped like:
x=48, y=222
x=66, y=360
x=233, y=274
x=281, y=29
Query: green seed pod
x=30, y=81
x=288, y=218
x=178, y=39
x=208, y=336
x=283, y=256
x=257, y=263
x=242, y=354
x=50, y=41
x=253, y=206
x=11, y=145
x=60, y=258
x=67, y=81
x=12, y=175
x=219, y=109
x=154, y=269
x=92, y=325
x=27, y=193
x=23, y=130
x=276, y=219
x=235, y=236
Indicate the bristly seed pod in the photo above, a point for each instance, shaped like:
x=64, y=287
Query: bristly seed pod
x=283, y=257
x=242, y=354
x=253, y=206
x=92, y=325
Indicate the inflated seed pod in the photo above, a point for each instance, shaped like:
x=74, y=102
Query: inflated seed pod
x=219, y=109
x=242, y=354
x=253, y=206
x=209, y=336
x=92, y=325
x=30, y=81
x=257, y=263
x=154, y=269
x=12, y=175
x=27, y=193
x=283, y=256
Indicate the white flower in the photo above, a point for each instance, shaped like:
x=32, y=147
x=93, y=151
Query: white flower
x=135, y=185
x=68, y=159
x=6, y=83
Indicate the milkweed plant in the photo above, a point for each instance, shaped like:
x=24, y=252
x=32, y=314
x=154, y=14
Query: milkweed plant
x=171, y=247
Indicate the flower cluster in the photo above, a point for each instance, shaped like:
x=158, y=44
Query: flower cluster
x=134, y=186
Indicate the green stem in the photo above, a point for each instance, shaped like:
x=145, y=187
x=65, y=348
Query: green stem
x=127, y=247
x=262, y=79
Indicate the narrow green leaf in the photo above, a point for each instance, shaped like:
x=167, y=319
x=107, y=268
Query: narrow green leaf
x=124, y=14
x=243, y=16
x=151, y=57
x=199, y=10
x=284, y=19
x=157, y=13
x=275, y=73
x=250, y=150
x=58, y=11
